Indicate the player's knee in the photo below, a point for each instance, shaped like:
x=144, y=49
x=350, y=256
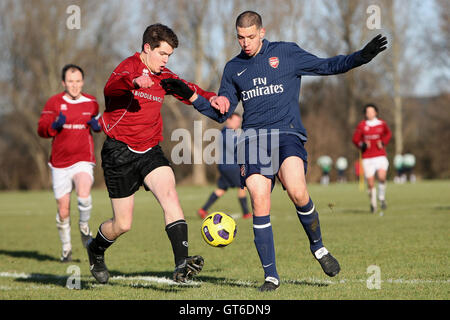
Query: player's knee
x=63, y=213
x=300, y=196
x=219, y=192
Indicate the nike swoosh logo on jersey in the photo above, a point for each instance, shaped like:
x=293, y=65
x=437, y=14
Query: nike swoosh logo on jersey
x=239, y=73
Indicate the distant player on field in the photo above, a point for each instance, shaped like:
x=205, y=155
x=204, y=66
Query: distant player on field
x=68, y=118
x=131, y=155
x=229, y=169
x=371, y=136
x=341, y=166
x=325, y=163
x=266, y=78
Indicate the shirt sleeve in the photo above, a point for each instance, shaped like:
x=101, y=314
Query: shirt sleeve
x=96, y=108
x=206, y=94
x=48, y=116
x=204, y=107
x=387, y=134
x=228, y=88
x=358, y=135
x=120, y=81
x=309, y=64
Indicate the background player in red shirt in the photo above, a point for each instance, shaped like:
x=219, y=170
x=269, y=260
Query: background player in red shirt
x=67, y=118
x=371, y=136
x=131, y=155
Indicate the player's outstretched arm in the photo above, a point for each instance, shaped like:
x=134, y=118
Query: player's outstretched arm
x=309, y=64
x=357, y=138
x=179, y=88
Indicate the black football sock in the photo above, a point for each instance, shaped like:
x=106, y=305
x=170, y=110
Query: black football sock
x=212, y=198
x=100, y=243
x=177, y=232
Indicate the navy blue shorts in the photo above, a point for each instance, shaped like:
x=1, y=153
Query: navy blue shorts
x=229, y=177
x=270, y=158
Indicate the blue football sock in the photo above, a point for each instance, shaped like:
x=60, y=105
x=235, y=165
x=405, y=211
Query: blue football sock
x=244, y=206
x=262, y=229
x=309, y=218
x=212, y=198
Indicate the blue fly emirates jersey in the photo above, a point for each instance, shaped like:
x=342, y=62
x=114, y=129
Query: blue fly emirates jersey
x=268, y=85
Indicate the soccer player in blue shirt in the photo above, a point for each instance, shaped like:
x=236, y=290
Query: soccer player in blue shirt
x=266, y=78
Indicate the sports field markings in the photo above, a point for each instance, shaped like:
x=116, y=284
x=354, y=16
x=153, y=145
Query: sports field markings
x=153, y=279
x=148, y=279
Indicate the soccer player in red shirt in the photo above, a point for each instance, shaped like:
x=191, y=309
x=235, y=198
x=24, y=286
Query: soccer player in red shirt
x=371, y=136
x=67, y=118
x=131, y=155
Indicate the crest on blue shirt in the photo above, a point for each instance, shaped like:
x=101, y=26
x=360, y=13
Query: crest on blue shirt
x=274, y=62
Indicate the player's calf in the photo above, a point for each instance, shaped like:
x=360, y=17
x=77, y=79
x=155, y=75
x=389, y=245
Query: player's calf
x=63, y=226
x=84, y=208
x=309, y=219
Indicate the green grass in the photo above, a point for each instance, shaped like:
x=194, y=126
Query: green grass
x=409, y=243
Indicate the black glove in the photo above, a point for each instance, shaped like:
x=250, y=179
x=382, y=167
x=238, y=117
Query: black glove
x=178, y=87
x=374, y=47
x=363, y=146
x=94, y=123
x=58, y=124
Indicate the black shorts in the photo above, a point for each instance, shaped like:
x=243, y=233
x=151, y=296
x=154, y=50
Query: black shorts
x=125, y=170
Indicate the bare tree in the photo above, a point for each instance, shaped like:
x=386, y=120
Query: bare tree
x=36, y=45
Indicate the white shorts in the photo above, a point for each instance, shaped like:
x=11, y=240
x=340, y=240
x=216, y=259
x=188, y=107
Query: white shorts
x=372, y=165
x=62, y=178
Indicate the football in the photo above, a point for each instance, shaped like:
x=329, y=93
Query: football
x=218, y=229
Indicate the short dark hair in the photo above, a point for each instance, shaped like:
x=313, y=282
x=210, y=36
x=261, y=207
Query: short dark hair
x=68, y=67
x=156, y=33
x=370, y=105
x=249, y=18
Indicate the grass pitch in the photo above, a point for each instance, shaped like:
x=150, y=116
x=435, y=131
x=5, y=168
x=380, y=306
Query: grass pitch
x=407, y=246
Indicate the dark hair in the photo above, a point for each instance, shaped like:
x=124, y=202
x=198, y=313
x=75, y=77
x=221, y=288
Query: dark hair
x=68, y=67
x=249, y=18
x=156, y=33
x=370, y=105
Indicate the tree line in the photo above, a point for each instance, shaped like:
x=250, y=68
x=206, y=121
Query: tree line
x=37, y=43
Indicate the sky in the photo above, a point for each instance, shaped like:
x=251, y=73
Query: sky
x=423, y=17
